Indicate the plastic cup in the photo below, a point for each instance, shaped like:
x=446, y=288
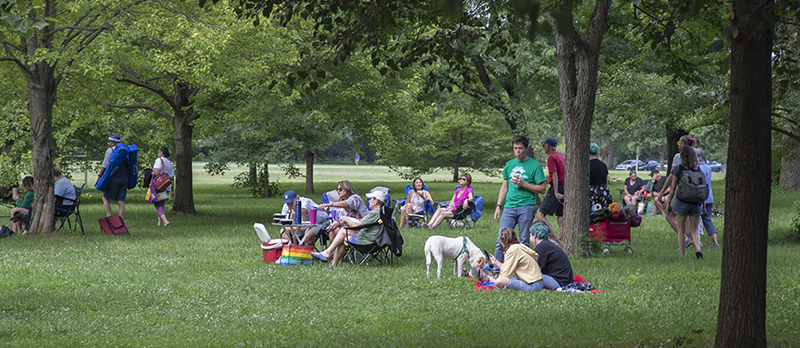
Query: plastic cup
x=313, y=214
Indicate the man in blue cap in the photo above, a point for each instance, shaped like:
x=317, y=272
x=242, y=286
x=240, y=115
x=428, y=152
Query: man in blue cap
x=553, y=201
x=291, y=199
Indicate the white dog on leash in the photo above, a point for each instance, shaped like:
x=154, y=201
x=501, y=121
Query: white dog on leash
x=460, y=249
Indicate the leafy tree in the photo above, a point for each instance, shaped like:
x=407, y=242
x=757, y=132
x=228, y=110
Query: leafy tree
x=179, y=79
x=43, y=41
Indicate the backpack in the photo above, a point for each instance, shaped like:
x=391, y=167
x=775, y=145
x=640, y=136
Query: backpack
x=693, y=188
x=148, y=177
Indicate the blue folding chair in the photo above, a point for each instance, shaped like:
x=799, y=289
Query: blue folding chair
x=466, y=218
x=413, y=220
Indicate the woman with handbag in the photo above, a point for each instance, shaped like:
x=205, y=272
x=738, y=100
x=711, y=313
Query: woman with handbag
x=163, y=166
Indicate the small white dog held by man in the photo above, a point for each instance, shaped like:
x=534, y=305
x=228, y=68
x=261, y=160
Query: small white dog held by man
x=459, y=249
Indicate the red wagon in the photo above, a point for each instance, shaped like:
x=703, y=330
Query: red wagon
x=612, y=233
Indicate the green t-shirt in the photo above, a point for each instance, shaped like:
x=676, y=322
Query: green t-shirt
x=367, y=235
x=529, y=171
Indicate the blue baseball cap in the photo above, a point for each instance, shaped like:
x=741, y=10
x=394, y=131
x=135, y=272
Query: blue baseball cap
x=550, y=141
x=289, y=197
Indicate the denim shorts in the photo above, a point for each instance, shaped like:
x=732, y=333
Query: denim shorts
x=687, y=208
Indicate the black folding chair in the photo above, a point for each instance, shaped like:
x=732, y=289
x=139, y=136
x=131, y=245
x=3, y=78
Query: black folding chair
x=68, y=209
x=388, y=243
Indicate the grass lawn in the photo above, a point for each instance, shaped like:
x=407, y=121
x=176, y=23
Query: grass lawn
x=201, y=282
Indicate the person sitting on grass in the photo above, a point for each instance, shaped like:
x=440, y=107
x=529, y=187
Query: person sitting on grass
x=552, y=260
x=460, y=201
x=519, y=269
x=366, y=235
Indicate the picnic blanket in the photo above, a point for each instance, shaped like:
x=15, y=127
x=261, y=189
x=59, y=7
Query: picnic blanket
x=578, y=286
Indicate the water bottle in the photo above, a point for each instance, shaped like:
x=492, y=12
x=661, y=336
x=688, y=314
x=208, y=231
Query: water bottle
x=298, y=212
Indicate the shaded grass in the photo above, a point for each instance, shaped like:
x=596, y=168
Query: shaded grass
x=201, y=282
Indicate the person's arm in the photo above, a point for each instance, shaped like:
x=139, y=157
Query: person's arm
x=673, y=181
x=429, y=197
x=642, y=188
x=500, y=199
x=339, y=204
x=555, y=185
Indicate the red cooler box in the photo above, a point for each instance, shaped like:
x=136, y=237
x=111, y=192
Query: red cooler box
x=271, y=248
x=610, y=231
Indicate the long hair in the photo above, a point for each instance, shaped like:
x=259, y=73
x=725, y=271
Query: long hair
x=164, y=151
x=414, y=186
x=687, y=140
x=508, y=237
x=348, y=187
x=688, y=157
x=27, y=183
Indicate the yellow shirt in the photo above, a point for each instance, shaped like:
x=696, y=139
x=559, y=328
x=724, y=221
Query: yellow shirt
x=520, y=262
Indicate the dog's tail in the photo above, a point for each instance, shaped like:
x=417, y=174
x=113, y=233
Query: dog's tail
x=428, y=253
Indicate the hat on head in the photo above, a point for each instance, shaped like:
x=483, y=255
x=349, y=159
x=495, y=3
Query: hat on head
x=654, y=172
x=377, y=194
x=115, y=138
x=550, y=141
x=594, y=148
x=540, y=230
x=289, y=197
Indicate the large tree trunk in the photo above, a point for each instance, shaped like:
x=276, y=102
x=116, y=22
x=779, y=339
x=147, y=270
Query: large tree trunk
x=577, y=91
x=309, y=173
x=41, y=97
x=790, y=167
x=184, y=195
x=741, y=320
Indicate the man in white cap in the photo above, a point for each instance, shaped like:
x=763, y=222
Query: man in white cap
x=366, y=235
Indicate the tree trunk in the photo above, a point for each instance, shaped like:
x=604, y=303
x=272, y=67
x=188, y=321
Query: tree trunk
x=673, y=136
x=309, y=172
x=455, y=169
x=741, y=320
x=253, y=174
x=267, y=194
x=184, y=195
x=577, y=92
x=790, y=167
x=42, y=86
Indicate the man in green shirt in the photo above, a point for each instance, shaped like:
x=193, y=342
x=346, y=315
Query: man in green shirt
x=527, y=179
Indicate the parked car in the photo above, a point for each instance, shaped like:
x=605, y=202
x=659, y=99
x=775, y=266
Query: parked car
x=628, y=165
x=650, y=166
x=716, y=166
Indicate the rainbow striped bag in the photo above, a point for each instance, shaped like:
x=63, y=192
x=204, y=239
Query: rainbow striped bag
x=296, y=255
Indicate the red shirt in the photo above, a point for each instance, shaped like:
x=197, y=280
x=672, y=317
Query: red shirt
x=556, y=164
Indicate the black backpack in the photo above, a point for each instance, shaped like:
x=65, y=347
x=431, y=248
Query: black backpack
x=148, y=177
x=693, y=187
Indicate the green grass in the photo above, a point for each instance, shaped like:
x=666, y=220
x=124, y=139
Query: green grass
x=202, y=282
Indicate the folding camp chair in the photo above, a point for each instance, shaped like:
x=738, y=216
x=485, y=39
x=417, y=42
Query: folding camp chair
x=388, y=243
x=68, y=210
x=414, y=219
x=466, y=218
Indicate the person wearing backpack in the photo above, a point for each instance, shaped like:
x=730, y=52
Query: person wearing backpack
x=688, y=183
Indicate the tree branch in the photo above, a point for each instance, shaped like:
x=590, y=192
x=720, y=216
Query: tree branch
x=136, y=106
x=787, y=133
x=160, y=92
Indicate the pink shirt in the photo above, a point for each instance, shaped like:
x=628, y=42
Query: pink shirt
x=459, y=199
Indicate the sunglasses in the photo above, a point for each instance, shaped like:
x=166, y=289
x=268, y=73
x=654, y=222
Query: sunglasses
x=339, y=189
x=463, y=179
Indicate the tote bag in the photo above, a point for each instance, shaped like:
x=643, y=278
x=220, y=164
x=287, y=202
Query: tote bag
x=296, y=255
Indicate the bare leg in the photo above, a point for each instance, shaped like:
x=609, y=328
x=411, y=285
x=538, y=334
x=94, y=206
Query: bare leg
x=404, y=215
x=121, y=205
x=107, y=206
x=681, y=220
x=692, y=222
x=441, y=214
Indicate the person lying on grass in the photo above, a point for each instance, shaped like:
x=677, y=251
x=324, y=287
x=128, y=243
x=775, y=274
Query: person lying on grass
x=519, y=270
x=366, y=235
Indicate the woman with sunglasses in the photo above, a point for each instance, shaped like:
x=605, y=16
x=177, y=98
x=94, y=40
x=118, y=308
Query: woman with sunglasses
x=366, y=235
x=350, y=201
x=460, y=201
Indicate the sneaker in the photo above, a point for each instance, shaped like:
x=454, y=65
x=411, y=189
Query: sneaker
x=717, y=245
x=689, y=242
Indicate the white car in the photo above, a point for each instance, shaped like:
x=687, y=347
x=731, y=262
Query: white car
x=625, y=165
